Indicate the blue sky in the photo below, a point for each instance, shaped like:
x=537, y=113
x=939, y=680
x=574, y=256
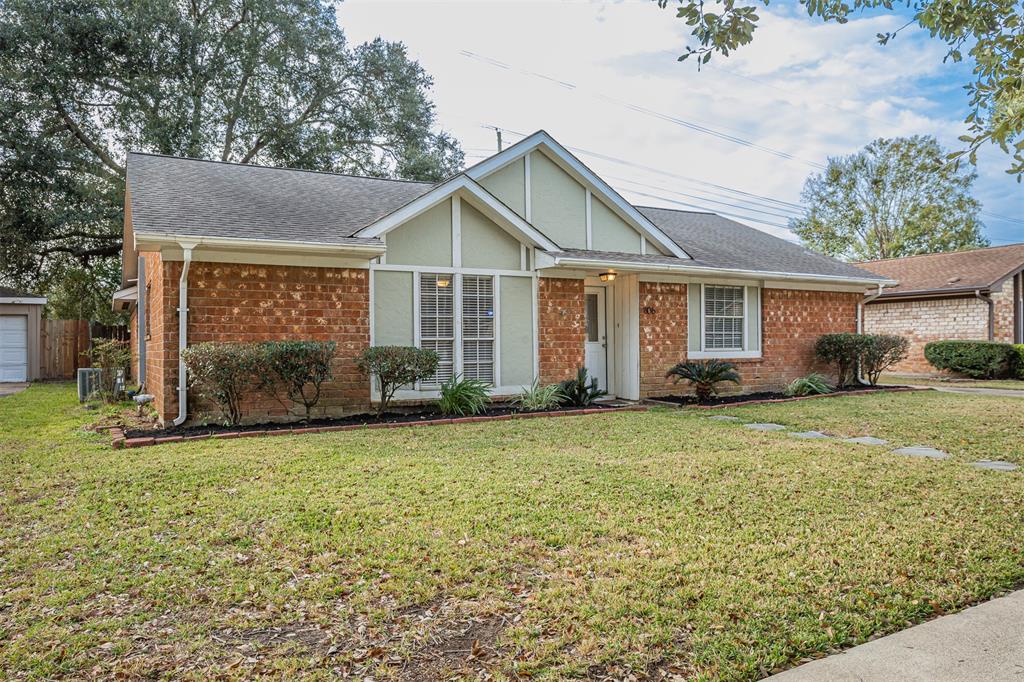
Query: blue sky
x=738, y=137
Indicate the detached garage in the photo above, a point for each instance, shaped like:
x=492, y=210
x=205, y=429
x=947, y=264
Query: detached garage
x=19, y=335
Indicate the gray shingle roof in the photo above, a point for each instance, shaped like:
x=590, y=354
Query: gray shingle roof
x=171, y=195
x=717, y=242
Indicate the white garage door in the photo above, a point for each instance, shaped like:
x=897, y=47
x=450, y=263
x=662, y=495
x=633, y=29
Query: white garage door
x=13, y=347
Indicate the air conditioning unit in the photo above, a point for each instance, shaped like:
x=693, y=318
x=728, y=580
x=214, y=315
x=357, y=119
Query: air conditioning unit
x=89, y=382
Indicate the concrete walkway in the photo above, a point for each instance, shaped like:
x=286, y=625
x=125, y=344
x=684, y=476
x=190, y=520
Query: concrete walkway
x=1004, y=392
x=11, y=388
x=984, y=642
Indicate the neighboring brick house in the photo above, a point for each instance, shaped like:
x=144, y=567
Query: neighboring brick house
x=525, y=266
x=962, y=295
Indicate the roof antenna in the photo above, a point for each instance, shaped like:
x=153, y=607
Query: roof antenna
x=497, y=131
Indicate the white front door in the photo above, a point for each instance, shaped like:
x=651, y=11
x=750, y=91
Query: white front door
x=13, y=347
x=596, y=357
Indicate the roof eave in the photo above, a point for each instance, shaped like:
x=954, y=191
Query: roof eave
x=686, y=269
x=369, y=249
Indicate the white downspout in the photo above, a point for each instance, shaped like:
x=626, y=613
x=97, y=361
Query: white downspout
x=860, y=324
x=183, y=335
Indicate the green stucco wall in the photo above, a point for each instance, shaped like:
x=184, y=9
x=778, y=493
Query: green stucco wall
x=484, y=244
x=508, y=184
x=609, y=232
x=392, y=308
x=558, y=203
x=424, y=240
x=516, y=325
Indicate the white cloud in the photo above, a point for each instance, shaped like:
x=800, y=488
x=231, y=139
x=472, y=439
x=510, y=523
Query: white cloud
x=808, y=89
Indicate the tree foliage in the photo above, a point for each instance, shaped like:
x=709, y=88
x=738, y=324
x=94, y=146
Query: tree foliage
x=990, y=31
x=896, y=197
x=250, y=81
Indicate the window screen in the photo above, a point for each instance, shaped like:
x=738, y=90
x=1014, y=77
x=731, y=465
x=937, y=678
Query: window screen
x=723, y=318
x=478, y=328
x=437, y=323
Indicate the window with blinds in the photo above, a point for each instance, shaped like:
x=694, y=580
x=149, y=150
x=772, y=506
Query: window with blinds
x=723, y=318
x=478, y=328
x=437, y=323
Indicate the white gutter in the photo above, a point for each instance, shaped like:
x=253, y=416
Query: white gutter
x=17, y=300
x=860, y=326
x=183, y=333
x=718, y=272
x=234, y=242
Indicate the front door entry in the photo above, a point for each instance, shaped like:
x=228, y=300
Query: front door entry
x=596, y=356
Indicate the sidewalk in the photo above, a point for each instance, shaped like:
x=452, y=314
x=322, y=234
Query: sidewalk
x=1006, y=392
x=984, y=642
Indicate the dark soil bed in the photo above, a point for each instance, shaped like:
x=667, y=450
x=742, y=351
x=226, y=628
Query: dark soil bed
x=411, y=416
x=765, y=395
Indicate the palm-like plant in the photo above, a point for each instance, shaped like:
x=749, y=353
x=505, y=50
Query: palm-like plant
x=704, y=376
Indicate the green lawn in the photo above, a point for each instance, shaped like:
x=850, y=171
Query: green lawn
x=591, y=546
x=1015, y=384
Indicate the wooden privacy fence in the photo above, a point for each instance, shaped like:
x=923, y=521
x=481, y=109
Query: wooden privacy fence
x=63, y=344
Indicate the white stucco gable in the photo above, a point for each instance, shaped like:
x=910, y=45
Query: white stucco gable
x=558, y=194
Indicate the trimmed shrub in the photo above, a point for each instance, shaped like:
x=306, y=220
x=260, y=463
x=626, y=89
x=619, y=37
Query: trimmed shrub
x=463, y=397
x=298, y=369
x=812, y=384
x=396, y=366
x=880, y=352
x=113, y=358
x=976, y=359
x=1019, y=360
x=580, y=391
x=704, y=376
x=224, y=373
x=843, y=351
x=537, y=397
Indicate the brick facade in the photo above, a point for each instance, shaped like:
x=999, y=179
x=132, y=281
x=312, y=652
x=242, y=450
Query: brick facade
x=791, y=322
x=229, y=302
x=663, y=338
x=561, y=321
x=936, y=319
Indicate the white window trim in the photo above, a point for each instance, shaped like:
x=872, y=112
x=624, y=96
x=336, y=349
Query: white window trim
x=743, y=353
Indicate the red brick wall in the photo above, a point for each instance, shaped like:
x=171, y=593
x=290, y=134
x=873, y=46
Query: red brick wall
x=923, y=321
x=161, y=300
x=562, y=327
x=229, y=302
x=791, y=322
x=663, y=339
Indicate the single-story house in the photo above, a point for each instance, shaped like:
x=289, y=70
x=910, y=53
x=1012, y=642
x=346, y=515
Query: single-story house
x=960, y=295
x=526, y=265
x=20, y=315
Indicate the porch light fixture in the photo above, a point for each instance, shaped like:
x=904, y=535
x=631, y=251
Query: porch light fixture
x=443, y=282
x=607, y=276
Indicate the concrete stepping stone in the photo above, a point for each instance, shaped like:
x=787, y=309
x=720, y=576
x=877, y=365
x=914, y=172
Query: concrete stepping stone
x=921, y=451
x=810, y=435
x=995, y=465
x=766, y=427
x=866, y=440
x=724, y=418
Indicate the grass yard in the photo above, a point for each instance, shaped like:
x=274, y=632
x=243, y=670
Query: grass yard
x=1014, y=384
x=659, y=544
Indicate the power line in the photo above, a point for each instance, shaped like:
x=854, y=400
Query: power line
x=685, y=123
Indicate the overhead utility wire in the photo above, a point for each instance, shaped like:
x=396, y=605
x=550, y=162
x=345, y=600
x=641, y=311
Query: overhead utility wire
x=691, y=125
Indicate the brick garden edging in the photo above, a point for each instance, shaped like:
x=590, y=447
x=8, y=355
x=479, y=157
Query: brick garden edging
x=764, y=401
x=119, y=440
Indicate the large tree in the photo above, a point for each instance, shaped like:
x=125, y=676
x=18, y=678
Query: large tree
x=250, y=81
x=894, y=198
x=990, y=31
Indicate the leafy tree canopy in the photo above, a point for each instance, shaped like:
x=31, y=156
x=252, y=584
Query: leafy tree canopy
x=251, y=81
x=896, y=197
x=991, y=32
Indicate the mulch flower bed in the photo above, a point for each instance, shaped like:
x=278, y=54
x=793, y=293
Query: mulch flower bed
x=141, y=438
x=771, y=397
